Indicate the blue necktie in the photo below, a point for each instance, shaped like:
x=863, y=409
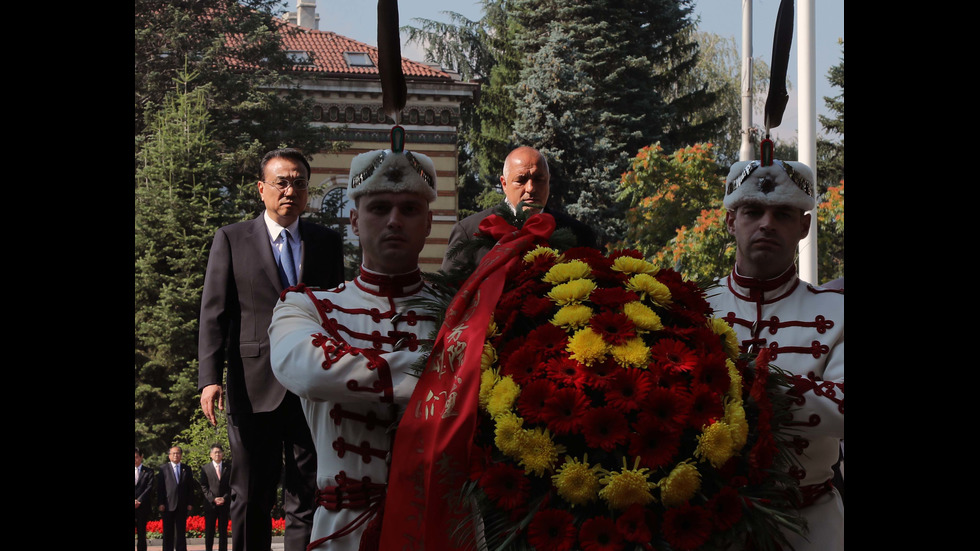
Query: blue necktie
x=286, y=259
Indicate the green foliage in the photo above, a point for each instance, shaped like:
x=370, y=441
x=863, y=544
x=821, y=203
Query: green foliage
x=177, y=187
x=676, y=218
x=197, y=438
x=594, y=86
x=235, y=49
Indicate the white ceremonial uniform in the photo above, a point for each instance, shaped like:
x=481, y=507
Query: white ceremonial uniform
x=348, y=355
x=803, y=328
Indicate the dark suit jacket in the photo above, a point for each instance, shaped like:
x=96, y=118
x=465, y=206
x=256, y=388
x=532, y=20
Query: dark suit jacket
x=467, y=227
x=143, y=488
x=214, y=487
x=241, y=287
x=175, y=495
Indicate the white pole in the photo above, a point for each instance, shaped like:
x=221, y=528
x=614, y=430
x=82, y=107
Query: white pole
x=746, y=153
x=806, y=71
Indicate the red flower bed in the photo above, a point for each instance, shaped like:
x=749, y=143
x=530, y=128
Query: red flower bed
x=195, y=527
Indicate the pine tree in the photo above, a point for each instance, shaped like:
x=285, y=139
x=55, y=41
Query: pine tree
x=178, y=190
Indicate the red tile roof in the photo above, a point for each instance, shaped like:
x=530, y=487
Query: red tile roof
x=327, y=51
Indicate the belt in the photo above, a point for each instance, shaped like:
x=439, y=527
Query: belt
x=354, y=494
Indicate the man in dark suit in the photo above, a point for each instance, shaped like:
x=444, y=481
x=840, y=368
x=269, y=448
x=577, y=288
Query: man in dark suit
x=216, y=486
x=526, y=178
x=250, y=264
x=144, y=485
x=175, y=490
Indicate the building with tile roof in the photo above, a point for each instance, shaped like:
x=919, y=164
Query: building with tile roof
x=341, y=76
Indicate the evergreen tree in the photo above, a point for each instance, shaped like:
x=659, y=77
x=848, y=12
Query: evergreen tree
x=830, y=162
x=177, y=193
x=598, y=82
x=831, y=153
x=482, y=50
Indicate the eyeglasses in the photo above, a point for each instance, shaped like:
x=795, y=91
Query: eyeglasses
x=299, y=184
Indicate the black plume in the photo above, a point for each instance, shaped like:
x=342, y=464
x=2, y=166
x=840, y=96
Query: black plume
x=781, y=43
x=394, y=92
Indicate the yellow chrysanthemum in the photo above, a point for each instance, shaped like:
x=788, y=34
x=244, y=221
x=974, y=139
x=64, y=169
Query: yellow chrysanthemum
x=492, y=329
x=567, y=271
x=577, y=482
x=648, y=287
x=632, y=353
x=630, y=265
x=509, y=433
x=721, y=328
x=538, y=251
x=488, y=378
x=735, y=389
x=572, y=316
x=539, y=453
x=502, y=397
x=680, y=485
x=715, y=444
x=739, y=425
x=642, y=316
x=489, y=357
x=624, y=488
x=574, y=291
x=587, y=346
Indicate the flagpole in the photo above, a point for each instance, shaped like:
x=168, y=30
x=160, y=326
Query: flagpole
x=807, y=124
x=747, y=152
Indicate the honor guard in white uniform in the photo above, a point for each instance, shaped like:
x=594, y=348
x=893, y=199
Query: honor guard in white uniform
x=801, y=326
x=349, y=352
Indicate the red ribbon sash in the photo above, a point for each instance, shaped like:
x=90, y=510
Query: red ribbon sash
x=430, y=456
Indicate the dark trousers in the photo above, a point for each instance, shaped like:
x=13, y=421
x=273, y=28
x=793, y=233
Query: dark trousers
x=175, y=530
x=216, y=518
x=141, y=517
x=259, y=443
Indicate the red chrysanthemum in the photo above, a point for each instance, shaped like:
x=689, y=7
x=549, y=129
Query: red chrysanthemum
x=706, y=406
x=686, y=527
x=506, y=485
x=599, y=534
x=549, y=340
x=522, y=364
x=673, y=355
x=536, y=307
x=688, y=300
x=604, y=427
x=653, y=442
x=636, y=524
x=566, y=372
x=628, y=389
x=614, y=328
x=552, y=530
x=531, y=401
x=599, y=373
x=668, y=407
x=612, y=298
x=713, y=373
x=725, y=508
x=563, y=412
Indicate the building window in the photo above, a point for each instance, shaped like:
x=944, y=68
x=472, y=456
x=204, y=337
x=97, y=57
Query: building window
x=299, y=57
x=358, y=59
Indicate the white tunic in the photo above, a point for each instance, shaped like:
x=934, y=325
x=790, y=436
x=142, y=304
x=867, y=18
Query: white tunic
x=349, y=355
x=803, y=328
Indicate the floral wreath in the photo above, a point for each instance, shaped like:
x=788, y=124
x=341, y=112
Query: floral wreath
x=616, y=413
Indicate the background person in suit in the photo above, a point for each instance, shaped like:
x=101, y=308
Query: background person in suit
x=248, y=267
x=526, y=178
x=216, y=486
x=175, y=491
x=144, y=485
